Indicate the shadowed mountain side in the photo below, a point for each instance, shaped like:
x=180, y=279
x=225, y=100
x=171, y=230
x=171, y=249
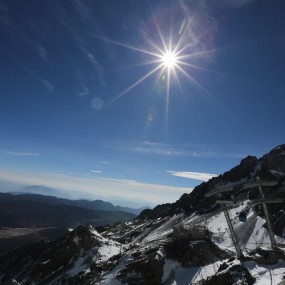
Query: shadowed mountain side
x=96, y=205
x=17, y=213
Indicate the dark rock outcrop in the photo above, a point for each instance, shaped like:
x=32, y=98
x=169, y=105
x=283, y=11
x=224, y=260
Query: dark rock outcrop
x=270, y=166
x=41, y=262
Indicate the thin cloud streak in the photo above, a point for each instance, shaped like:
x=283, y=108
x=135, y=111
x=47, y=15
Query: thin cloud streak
x=84, y=92
x=20, y=153
x=152, y=148
x=192, y=175
x=96, y=171
x=225, y=4
x=83, y=10
x=41, y=51
x=238, y=3
x=48, y=85
x=165, y=150
x=90, y=57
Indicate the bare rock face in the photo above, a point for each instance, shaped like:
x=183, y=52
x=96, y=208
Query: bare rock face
x=145, y=268
x=193, y=254
x=243, y=170
x=229, y=275
x=43, y=261
x=275, y=159
x=268, y=257
x=16, y=261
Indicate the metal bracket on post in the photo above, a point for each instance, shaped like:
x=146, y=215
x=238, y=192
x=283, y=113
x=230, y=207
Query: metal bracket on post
x=257, y=183
x=269, y=228
x=263, y=201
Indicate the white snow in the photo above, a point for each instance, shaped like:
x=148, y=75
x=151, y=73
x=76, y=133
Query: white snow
x=105, y=252
x=77, y=267
x=76, y=240
x=102, y=253
x=110, y=277
x=277, y=173
x=163, y=230
x=250, y=235
x=266, y=274
x=174, y=273
x=260, y=237
x=98, y=236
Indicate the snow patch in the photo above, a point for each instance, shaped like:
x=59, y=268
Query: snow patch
x=77, y=267
x=266, y=274
x=105, y=252
x=174, y=273
x=76, y=240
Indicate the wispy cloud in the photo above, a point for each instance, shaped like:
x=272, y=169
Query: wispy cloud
x=160, y=149
x=96, y=171
x=182, y=150
x=238, y=3
x=15, y=30
x=83, y=10
x=81, y=43
x=192, y=175
x=20, y=153
x=97, y=67
x=228, y=4
x=104, y=162
x=41, y=51
x=49, y=86
x=147, y=147
x=85, y=91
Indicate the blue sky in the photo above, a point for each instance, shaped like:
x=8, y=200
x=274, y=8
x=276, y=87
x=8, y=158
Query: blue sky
x=87, y=103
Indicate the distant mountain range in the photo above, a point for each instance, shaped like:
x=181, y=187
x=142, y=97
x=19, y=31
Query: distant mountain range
x=32, y=210
x=61, y=197
x=26, y=218
x=39, y=189
x=47, y=197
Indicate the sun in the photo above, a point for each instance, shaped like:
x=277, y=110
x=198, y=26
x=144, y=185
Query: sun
x=171, y=56
x=169, y=60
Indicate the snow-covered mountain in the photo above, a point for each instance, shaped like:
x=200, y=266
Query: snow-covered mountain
x=187, y=242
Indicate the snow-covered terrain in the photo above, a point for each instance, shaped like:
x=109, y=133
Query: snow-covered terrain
x=175, y=273
x=187, y=242
x=113, y=257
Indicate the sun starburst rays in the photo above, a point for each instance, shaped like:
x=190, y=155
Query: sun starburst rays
x=171, y=57
x=168, y=59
